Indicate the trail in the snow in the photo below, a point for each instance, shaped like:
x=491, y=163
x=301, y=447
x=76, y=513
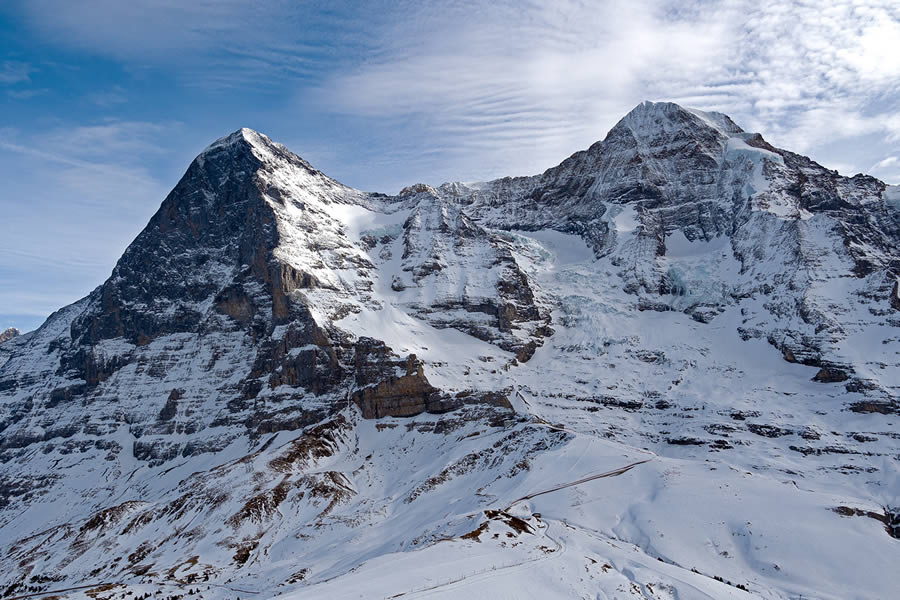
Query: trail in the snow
x=61, y=591
x=563, y=486
x=538, y=420
x=178, y=586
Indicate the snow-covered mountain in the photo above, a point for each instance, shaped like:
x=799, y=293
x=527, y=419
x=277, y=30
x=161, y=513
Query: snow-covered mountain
x=688, y=338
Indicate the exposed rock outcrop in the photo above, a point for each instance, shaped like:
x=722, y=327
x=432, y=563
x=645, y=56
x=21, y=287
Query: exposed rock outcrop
x=397, y=396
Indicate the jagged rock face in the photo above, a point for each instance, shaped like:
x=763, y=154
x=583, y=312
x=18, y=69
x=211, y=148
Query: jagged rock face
x=9, y=334
x=776, y=225
x=457, y=274
x=674, y=286
x=204, y=328
x=210, y=226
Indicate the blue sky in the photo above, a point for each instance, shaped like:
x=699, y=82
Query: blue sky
x=104, y=103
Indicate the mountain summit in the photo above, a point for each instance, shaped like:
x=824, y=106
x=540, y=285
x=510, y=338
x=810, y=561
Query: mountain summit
x=289, y=386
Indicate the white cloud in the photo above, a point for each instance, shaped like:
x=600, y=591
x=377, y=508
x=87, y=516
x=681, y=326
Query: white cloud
x=27, y=94
x=887, y=169
x=108, y=97
x=548, y=79
x=887, y=162
x=121, y=140
x=13, y=71
x=209, y=43
x=513, y=89
x=477, y=79
x=163, y=27
x=73, y=199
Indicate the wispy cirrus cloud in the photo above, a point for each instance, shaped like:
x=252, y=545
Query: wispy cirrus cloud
x=218, y=44
x=474, y=78
x=14, y=71
x=125, y=141
x=887, y=162
x=887, y=169
x=73, y=200
x=26, y=94
x=109, y=97
x=545, y=80
x=551, y=78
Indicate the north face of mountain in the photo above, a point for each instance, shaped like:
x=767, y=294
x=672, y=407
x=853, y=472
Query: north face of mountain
x=290, y=386
x=208, y=327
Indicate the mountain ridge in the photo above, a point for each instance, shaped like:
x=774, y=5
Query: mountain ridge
x=285, y=379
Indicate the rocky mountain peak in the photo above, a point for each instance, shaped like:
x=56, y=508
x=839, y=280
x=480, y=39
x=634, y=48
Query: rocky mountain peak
x=659, y=154
x=662, y=135
x=234, y=150
x=417, y=188
x=242, y=137
x=9, y=334
x=651, y=120
x=220, y=227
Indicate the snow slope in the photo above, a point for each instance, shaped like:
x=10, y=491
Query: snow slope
x=666, y=368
